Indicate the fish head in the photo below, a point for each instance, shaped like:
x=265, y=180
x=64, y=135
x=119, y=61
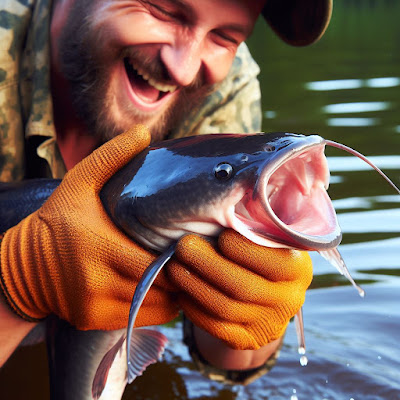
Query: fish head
x=289, y=205
x=271, y=188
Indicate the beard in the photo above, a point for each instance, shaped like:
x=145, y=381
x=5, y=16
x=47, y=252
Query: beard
x=86, y=61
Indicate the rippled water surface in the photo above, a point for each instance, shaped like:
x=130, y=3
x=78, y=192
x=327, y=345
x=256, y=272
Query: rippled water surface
x=345, y=88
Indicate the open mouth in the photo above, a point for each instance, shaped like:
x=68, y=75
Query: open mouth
x=146, y=92
x=290, y=205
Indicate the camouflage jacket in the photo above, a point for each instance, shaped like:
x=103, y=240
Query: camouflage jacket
x=28, y=146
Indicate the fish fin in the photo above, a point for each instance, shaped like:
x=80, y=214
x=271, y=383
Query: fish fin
x=141, y=290
x=147, y=347
x=100, y=378
x=335, y=258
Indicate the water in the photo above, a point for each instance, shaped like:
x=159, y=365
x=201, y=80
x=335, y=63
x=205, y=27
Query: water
x=345, y=88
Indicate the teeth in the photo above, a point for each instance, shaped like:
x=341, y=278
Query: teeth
x=162, y=87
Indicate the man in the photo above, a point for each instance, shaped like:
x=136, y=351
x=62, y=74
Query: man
x=177, y=66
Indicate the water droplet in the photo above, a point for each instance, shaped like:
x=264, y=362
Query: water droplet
x=303, y=361
x=379, y=358
x=294, y=396
x=301, y=350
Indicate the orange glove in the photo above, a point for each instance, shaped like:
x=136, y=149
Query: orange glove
x=244, y=297
x=69, y=259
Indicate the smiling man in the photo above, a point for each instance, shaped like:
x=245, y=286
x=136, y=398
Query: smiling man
x=143, y=61
x=77, y=73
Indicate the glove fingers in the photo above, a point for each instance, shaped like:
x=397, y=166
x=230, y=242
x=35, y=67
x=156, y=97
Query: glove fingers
x=235, y=335
x=137, y=260
x=274, y=264
x=233, y=280
x=240, y=336
x=218, y=302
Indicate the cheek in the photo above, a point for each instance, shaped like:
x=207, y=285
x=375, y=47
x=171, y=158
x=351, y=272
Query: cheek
x=218, y=63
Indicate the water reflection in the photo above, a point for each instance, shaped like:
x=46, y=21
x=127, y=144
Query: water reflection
x=357, y=107
x=352, y=122
x=343, y=84
x=364, y=202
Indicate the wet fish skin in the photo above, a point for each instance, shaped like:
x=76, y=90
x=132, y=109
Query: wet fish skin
x=74, y=357
x=20, y=199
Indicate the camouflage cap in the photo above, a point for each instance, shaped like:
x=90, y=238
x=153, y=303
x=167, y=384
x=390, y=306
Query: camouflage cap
x=298, y=22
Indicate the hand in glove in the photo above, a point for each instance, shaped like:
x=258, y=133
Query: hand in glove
x=243, y=293
x=69, y=259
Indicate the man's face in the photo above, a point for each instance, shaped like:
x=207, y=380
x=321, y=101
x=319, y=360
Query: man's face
x=147, y=61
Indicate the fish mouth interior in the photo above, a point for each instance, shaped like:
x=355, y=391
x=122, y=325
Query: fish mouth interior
x=290, y=204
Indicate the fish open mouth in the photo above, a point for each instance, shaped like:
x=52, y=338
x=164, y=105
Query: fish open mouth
x=290, y=205
x=146, y=90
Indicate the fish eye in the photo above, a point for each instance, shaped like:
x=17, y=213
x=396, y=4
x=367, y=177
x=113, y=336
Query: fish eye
x=269, y=148
x=223, y=171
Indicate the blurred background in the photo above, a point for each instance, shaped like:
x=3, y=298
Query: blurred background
x=345, y=88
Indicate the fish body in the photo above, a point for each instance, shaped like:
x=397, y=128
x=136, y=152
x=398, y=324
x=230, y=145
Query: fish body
x=271, y=188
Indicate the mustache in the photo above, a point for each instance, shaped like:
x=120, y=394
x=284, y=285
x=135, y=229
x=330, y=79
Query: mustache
x=154, y=67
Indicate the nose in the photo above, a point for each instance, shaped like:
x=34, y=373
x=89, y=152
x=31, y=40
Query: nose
x=183, y=59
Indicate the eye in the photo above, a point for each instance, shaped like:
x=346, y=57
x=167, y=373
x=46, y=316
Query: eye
x=223, y=171
x=225, y=39
x=163, y=12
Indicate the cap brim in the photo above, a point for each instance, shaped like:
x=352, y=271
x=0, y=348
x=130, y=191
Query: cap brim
x=298, y=22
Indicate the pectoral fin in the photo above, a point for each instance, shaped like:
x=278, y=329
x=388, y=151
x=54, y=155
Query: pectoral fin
x=154, y=342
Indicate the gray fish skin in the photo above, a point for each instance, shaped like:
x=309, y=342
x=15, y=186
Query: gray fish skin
x=20, y=199
x=74, y=357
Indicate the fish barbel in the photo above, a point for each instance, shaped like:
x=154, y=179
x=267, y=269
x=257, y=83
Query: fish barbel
x=271, y=188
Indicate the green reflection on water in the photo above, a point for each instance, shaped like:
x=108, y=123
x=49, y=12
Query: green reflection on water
x=335, y=279
x=361, y=43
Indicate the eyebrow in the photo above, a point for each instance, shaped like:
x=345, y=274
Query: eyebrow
x=188, y=10
x=237, y=28
x=185, y=7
